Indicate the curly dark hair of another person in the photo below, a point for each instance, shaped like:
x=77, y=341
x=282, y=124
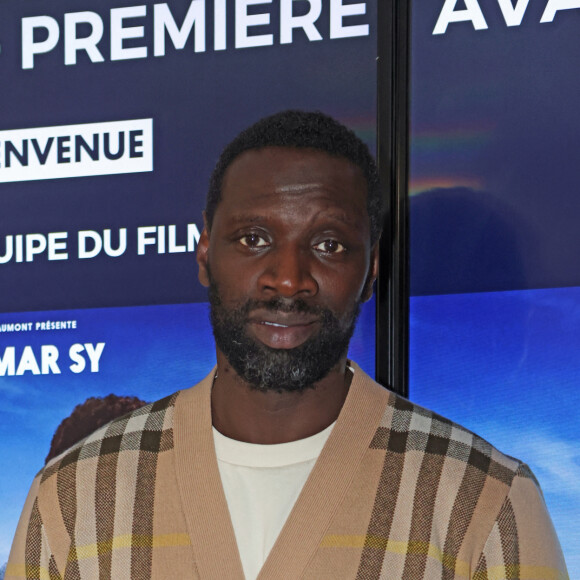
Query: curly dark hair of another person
x=87, y=418
x=301, y=129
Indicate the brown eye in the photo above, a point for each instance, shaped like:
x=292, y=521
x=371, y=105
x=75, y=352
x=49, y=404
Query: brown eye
x=330, y=247
x=253, y=241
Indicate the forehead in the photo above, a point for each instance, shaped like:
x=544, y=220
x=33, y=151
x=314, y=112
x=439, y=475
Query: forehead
x=281, y=175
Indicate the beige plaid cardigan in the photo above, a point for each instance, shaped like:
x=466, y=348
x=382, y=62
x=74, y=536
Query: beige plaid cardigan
x=397, y=492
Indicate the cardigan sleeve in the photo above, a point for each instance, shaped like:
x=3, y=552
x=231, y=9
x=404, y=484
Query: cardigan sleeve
x=522, y=543
x=31, y=556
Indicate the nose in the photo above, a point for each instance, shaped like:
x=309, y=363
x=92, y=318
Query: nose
x=288, y=273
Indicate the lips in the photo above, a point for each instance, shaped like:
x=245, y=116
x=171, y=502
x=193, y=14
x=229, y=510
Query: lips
x=281, y=318
x=283, y=329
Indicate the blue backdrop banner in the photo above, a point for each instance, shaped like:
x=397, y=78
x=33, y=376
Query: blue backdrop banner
x=111, y=121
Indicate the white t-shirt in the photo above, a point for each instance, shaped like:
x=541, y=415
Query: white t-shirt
x=262, y=484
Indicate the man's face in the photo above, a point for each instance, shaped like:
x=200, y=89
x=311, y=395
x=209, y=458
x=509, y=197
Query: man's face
x=288, y=262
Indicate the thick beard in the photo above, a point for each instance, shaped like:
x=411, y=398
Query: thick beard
x=280, y=370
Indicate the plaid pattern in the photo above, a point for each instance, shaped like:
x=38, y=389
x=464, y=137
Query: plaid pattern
x=413, y=432
x=449, y=469
x=406, y=494
x=121, y=454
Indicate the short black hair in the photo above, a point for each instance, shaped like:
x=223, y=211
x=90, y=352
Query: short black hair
x=302, y=129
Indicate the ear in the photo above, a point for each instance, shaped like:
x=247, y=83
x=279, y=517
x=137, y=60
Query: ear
x=202, y=254
x=372, y=273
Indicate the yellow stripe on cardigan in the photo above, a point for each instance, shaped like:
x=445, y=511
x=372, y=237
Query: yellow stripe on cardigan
x=461, y=568
x=128, y=541
x=414, y=547
x=28, y=571
x=520, y=571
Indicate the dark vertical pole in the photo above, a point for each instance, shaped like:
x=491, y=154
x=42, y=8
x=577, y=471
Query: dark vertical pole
x=392, y=340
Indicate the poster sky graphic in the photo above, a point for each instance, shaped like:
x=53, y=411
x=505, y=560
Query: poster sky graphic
x=506, y=366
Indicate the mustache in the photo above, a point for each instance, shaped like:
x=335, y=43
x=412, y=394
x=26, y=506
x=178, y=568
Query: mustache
x=274, y=304
x=280, y=304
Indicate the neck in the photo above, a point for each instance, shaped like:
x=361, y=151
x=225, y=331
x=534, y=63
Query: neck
x=246, y=414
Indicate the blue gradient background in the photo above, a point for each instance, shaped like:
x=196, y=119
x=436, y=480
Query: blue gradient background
x=494, y=213
x=506, y=365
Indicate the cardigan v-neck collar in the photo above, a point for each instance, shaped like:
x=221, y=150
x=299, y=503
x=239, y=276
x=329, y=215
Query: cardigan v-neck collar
x=204, y=503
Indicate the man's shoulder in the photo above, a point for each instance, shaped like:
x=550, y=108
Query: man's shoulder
x=446, y=492
x=411, y=429
x=147, y=429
